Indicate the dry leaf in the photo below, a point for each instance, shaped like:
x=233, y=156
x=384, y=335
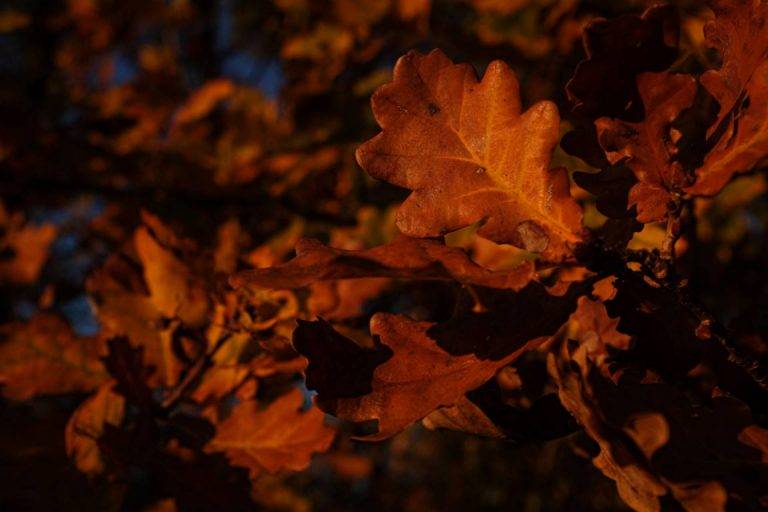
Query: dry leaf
x=740, y=34
x=279, y=437
x=649, y=147
x=24, y=247
x=43, y=357
x=405, y=257
x=618, y=51
x=463, y=416
x=203, y=100
x=416, y=367
x=470, y=155
x=174, y=290
x=87, y=424
x=655, y=443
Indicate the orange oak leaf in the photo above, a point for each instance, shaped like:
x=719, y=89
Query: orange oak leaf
x=740, y=34
x=279, y=437
x=415, y=367
x=26, y=244
x=87, y=424
x=591, y=325
x=405, y=257
x=416, y=377
x=43, y=356
x=345, y=298
x=469, y=155
x=124, y=308
x=174, y=289
x=649, y=147
x=463, y=416
x=219, y=381
x=654, y=442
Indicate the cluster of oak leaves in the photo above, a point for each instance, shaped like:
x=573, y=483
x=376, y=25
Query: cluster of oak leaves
x=630, y=356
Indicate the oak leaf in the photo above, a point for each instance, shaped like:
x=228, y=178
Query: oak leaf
x=470, y=155
x=24, y=247
x=618, y=51
x=345, y=298
x=415, y=377
x=124, y=308
x=654, y=442
x=649, y=147
x=43, y=356
x=414, y=367
x=591, y=325
x=463, y=416
x=279, y=437
x=87, y=425
x=174, y=289
x=219, y=381
x=739, y=33
x=405, y=257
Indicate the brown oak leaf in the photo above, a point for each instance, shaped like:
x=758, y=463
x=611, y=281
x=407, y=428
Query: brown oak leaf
x=405, y=257
x=43, y=356
x=416, y=376
x=618, y=51
x=125, y=308
x=463, y=416
x=279, y=437
x=469, y=155
x=174, y=289
x=657, y=445
x=87, y=424
x=740, y=34
x=203, y=100
x=591, y=325
x=151, y=299
x=345, y=298
x=24, y=247
x=649, y=147
x=415, y=367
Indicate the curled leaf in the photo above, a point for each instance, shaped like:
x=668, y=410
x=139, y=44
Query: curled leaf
x=649, y=147
x=740, y=34
x=417, y=367
x=405, y=257
x=463, y=416
x=655, y=443
x=618, y=51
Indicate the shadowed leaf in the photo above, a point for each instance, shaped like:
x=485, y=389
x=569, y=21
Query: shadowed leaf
x=43, y=357
x=406, y=258
x=649, y=147
x=740, y=34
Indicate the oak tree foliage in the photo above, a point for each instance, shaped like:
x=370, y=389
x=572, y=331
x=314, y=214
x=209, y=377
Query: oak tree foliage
x=527, y=256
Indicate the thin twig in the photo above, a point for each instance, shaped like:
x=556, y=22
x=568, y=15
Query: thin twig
x=200, y=366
